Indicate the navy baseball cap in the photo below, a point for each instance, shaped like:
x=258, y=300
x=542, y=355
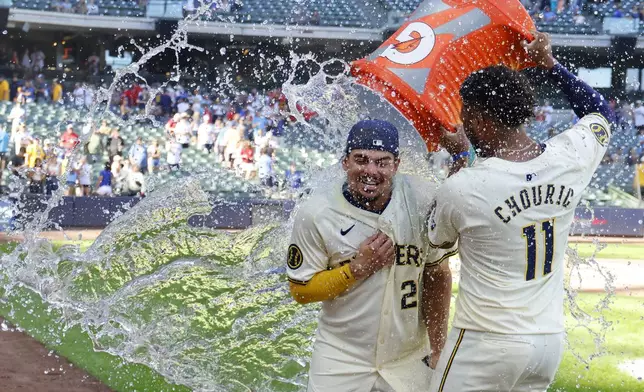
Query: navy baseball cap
x=373, y=135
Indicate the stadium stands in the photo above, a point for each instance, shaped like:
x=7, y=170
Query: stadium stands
x=347, y=13
x=129, y=8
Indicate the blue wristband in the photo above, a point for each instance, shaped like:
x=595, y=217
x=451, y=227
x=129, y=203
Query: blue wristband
x=461, y=155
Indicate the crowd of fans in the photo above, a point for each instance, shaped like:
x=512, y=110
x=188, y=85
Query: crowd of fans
x=83, y=7
x=243, y=133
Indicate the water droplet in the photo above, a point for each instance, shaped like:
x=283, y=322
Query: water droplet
x=4, y=32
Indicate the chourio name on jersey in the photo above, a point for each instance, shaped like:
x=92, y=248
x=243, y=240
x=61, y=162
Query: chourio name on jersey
x=550, y=194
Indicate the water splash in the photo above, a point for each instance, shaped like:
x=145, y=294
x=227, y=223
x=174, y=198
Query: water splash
x=207, y=309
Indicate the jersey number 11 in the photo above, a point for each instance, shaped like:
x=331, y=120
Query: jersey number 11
x=530, y=235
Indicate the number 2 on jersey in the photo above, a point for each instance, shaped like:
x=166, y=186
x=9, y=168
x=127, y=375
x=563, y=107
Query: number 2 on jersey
x=409, y=299
x=530, y=235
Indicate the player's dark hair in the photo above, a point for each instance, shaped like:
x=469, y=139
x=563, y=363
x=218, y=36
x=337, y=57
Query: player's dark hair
x=503, y=95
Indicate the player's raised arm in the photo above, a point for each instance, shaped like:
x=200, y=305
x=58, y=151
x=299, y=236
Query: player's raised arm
x=583, y=98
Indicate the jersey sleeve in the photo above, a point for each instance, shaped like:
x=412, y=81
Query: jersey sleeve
x=435, y=256
x=589, y=140
x=444, y=218
x=306, y=254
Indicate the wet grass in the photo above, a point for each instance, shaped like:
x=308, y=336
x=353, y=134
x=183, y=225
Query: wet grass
x=624, y=341
x=26, y=309
x=610, y=251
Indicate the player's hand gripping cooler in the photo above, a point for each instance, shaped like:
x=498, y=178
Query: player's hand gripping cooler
x=421, y=67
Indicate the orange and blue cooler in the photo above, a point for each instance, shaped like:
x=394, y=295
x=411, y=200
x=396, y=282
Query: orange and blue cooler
x=420, y=68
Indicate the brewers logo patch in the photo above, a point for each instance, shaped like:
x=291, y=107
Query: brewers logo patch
x=600, y=133
x=294, y=259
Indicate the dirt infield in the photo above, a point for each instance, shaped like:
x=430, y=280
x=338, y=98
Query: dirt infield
x=26, y=365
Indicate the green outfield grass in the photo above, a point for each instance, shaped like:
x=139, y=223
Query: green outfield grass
x=624, y=341
x=610, y=251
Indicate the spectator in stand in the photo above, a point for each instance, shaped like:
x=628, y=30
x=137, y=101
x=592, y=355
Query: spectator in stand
x=633, y=157
x=93, y=61
x=69, y=139
x=183, y=130
x=639, y=179
x=115, y=145
x=34, y=151
x=182, y=105
x=135, y=182
x=95, y=146
x=29, y=92
x=15, y=86
x=164, y=101
x=260, y=140
x=104, y=183
x=18, y=162
x=50, y=150
x=42, y=89
x=549, y=15
x=92, y=9
x=293, y=178
x=222, y=141
x=56, y=92
x=205, y=136
x=638, y=116
x=84, y=171
x=67, y=7
x=37, y=177
x=118, y=174
x=81, y=7
x=5, y=89
x=67, y=168
x=22, y=138
x=247, y=160
x=4, y=152
x=173, y=157
x=143, y=98
x=26, y=60
x=579, y=18
x=132, y=94
x=232, y=144
x=138, y=155
x=17, y=116
x=89, y=97
x=171, y=125
x=78, y=95
x=619, y=13
x=37, y=60
x=265, y=168
x=154, y=156
x=52, y=173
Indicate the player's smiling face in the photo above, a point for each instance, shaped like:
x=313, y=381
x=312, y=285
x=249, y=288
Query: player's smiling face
x=370, y=174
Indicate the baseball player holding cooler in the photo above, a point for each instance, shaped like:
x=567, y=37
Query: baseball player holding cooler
x=359, y=246
x=511, y=213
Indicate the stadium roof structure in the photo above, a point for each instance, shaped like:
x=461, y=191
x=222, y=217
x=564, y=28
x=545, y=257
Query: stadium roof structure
x=146, y=22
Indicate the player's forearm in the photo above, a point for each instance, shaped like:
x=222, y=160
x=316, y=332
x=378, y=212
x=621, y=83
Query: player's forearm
x=583, y=98
x=324, y=286
x=437, y=295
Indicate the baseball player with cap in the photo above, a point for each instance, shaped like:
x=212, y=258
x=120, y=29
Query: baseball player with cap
x=359, y=246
